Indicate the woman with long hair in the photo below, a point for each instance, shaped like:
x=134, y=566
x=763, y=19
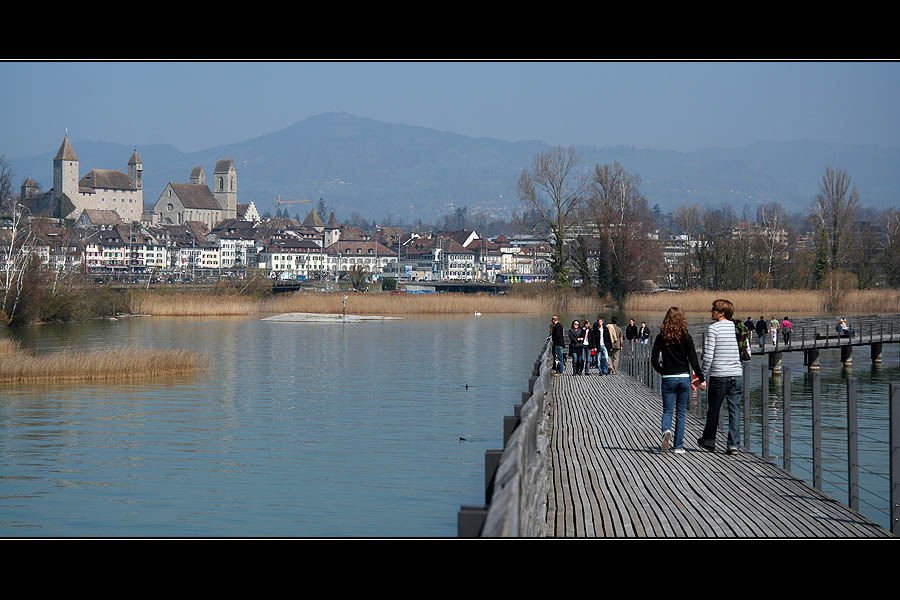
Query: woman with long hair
x=576, y=347
x=673, y=356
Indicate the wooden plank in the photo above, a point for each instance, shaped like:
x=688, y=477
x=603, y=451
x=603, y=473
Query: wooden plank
x=609, y=478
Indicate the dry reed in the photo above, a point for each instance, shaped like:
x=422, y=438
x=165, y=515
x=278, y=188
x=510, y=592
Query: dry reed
x=18, y=365
x=766, y=302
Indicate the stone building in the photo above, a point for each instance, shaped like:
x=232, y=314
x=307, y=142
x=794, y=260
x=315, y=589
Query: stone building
x=195, y=201
x=99, y=189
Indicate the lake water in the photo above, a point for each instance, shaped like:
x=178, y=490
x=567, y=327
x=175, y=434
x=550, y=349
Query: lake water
x=298, y=429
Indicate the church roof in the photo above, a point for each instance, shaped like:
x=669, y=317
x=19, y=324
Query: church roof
x=332, y=223
x=66, y=151
x=107, y=179
x=30, y=183
x=135, y=159
x=223, y=165
x=196, y=195
x=313, y=219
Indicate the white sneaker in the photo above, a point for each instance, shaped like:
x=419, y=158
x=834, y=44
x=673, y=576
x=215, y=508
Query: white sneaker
x=666, y=438
x=678, y=451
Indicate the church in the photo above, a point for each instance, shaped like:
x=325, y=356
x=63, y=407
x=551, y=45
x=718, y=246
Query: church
x=99, y=189
x=195, y=201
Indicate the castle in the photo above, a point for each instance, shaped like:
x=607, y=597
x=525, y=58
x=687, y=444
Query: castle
x=100, y=189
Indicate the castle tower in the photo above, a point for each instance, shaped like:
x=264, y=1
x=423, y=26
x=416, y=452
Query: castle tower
x=65, y=172
x=29, y=189
x=136, y=175
x=225, y=187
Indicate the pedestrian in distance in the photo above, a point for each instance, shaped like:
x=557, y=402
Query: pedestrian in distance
x=558, y=340
x=761, y=330
x=576, y=342
x=786, y=331
x=673, y=356
x=749, y=324
x=586, y=346
x=613, y=339
x=631, y=334
x=599, y=341
x=644, y=333
x=721, y=366
x=774, y=326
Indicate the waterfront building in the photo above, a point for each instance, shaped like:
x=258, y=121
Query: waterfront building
x=368, y=255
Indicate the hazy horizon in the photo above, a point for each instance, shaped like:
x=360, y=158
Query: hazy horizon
x=681, y=106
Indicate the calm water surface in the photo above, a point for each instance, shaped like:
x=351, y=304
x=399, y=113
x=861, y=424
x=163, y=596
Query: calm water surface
x=299, y=429
x=315, y=429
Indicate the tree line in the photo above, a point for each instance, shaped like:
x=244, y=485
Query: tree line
x=836, y=245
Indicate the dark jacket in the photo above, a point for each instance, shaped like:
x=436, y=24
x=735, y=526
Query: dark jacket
x=761, y=328
x=631, y=332
x=676, y=358
x=749, y=324
x=558, y=337
x=576, y=340
x=644, y=332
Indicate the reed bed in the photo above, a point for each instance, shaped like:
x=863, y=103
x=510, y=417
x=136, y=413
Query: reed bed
x=18, y=365
x=766, y=302
x=194, y=305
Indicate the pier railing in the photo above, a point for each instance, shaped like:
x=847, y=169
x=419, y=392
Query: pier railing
x=516, y=479
x=635, y=361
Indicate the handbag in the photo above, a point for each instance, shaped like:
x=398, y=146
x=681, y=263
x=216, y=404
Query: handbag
x=593, y=352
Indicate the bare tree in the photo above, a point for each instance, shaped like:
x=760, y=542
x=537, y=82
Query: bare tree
x=554, y=189
x=689, y=220
x=625, y=222
x=16, y=248
x=774, y=241
x=834, y=209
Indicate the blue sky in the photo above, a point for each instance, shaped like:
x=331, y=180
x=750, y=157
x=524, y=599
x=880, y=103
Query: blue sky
x=663, y=105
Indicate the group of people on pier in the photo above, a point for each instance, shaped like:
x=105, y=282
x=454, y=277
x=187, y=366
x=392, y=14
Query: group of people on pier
x=674, y=357
x=594, y=346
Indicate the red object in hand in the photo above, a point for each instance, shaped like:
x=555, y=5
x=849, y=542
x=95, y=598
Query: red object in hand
x=694, y=381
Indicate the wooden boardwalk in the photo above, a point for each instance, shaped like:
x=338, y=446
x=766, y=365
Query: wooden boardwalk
x=609, y=478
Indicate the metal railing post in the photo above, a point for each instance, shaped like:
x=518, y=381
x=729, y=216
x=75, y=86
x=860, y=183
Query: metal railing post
x=852, y=445
x=765, y=413
x=746, y=401
x=786, y=412
x=894, y=425
x=817, y=431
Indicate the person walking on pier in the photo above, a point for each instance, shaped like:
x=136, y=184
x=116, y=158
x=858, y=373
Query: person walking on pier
x=721, y=365
x=761, y=330
x=674, y=345
x=556, y=332
x=774, y=326
x=586, y=345
x=631, y=334
x=599, y=342
x=576, y=343
x=614, y=344
x=644, y=333
x=786, y=331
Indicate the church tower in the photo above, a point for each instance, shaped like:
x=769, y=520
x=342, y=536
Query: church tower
x=225, y=187
x=136, y=174
x=65, y=172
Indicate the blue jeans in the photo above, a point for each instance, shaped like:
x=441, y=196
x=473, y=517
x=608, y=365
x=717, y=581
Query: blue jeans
x=675, y=394
x=577, y=359
x=603, y=358
x=586, y=353
x=558, y=350
x=719, y=390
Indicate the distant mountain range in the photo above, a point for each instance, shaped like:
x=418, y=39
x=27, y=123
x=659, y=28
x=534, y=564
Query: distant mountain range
x=378, y=169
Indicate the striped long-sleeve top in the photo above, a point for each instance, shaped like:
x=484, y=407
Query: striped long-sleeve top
x=721, y=357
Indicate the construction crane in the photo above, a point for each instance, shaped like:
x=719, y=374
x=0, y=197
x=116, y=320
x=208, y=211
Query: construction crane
x=279, y=201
